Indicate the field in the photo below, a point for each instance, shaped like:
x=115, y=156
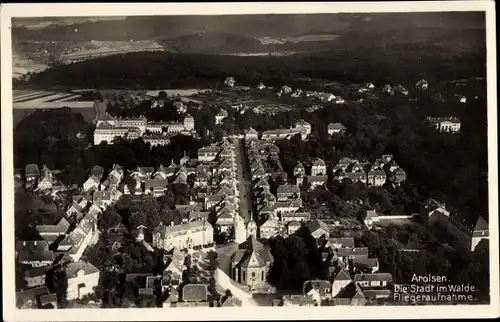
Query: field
x=102, y=48
x=25, y=99
x=174, y=92
x=22, y=65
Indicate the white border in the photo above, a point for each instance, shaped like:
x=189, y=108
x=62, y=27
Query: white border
x=183, y=314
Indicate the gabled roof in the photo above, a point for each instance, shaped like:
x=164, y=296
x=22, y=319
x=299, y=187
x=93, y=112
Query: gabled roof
x=288, y=189
x=343, y=241
x=336, y=126
x=318, y=163
x=481, y=224
x=72, y=269
x=317, y=224
x=342, y=276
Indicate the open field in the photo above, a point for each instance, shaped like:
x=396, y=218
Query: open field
x=22, y=65
x=174, y=92
x=24, y=99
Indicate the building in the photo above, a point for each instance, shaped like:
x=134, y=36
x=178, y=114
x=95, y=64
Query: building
x=269, y=228
x=188, y=235
x=209, y=153
x=432, y=209
x=318, y=229
x=251, y=262
x=31, y=173
x=35, y=277
x=287, y=191
x=51, y=233
x=373, y=280
x=155, y=187
x=229, y=81
x=316, y=181
x=251, y=134
x=175, y=267
x=82, y=278
x=92, y=183
x=479, y=232
x=46, y=179
x=221, y=116
x=298, y=300
x=318, y=168
x=445, y=124
x=319, y=290
x=194, y=293
x=336, y=128
x=35, y=253
x=340, y=280
x=422, y=85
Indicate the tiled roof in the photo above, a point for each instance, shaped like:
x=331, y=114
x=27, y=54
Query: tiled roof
x=288, y=189
x=336, y=126
x=317, y=224
x=322, y=286
x=177, y=230
x=342, y=276
x=28, y=256
x=155, y=183
x=343, y=252
x=73, y=268
x=373, y=277
x=343, y=241
x=38, y=271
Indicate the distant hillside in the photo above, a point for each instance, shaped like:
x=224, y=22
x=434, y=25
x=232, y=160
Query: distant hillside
x=211, y=43
x=153, y=27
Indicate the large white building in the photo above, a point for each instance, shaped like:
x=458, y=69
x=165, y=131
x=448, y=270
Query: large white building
x=445, y=124
x=82, y=278
x=108, y=128
x=195, y=233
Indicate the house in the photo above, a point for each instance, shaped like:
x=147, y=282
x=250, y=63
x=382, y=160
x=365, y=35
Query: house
x=82, y=278
x=51, y=233
x=336, y=128
x=251, y=134
x=319, y=290
x=31, y=173
x=373, y=280
x=351, y=295
x=369, y=218
x=292, y=227
x=316, y=181
x=155, y=187
x=318, y=229
x=35, y=277
x=295, y=216
x=105, y=198
x=444, y=124
x=35, y=253
x=30, y=298
x=269, y=228
x=431, y=210
x=371, y=264
x=161, y=173
x=117, y=173
x=343, y=255
x=287, y=191
x=48, y=301
x=201, y=180
x=346, y=242
x=340, y=280
x=208, y=154
x=175, y=267
x=92, y=183
x=422, y=85
x=318, y=167
x=251, y=262
x=299, y=170
x=189, y=235
x=261, y=86
x=142, y=173
x=77, y=209
x=376, y=176
x=480, y=232
x=46, y=179
x=219, y=117
x=229, y=81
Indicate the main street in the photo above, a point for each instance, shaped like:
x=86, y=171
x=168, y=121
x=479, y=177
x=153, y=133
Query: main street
x=243, y=177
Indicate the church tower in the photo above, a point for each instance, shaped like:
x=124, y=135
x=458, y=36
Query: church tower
x=251, y=227
x=240, y=232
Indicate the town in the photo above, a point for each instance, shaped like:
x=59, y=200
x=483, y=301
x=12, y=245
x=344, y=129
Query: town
x=218, y=251
x=329, y=160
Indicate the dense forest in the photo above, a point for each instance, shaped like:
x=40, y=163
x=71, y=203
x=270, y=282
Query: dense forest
x=404, y=64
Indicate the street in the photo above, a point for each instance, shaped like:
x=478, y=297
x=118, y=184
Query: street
x=244, y=183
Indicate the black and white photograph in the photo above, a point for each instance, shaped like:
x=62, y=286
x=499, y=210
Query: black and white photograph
x=219, y=158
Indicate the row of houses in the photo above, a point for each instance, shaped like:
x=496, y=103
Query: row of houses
x=42, y=180
x=156, y=133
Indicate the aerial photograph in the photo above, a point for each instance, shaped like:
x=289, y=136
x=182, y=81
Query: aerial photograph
x=336, y=159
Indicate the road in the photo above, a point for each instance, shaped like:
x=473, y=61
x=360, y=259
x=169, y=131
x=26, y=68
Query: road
x=225, y=282
x=243, y=177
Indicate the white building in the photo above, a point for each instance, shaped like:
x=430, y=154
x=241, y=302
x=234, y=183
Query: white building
x=189, y=235
x=82, y=278
x=445, y=124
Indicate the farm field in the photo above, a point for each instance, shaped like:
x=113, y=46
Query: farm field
x=174, y=92
x=25, y=99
